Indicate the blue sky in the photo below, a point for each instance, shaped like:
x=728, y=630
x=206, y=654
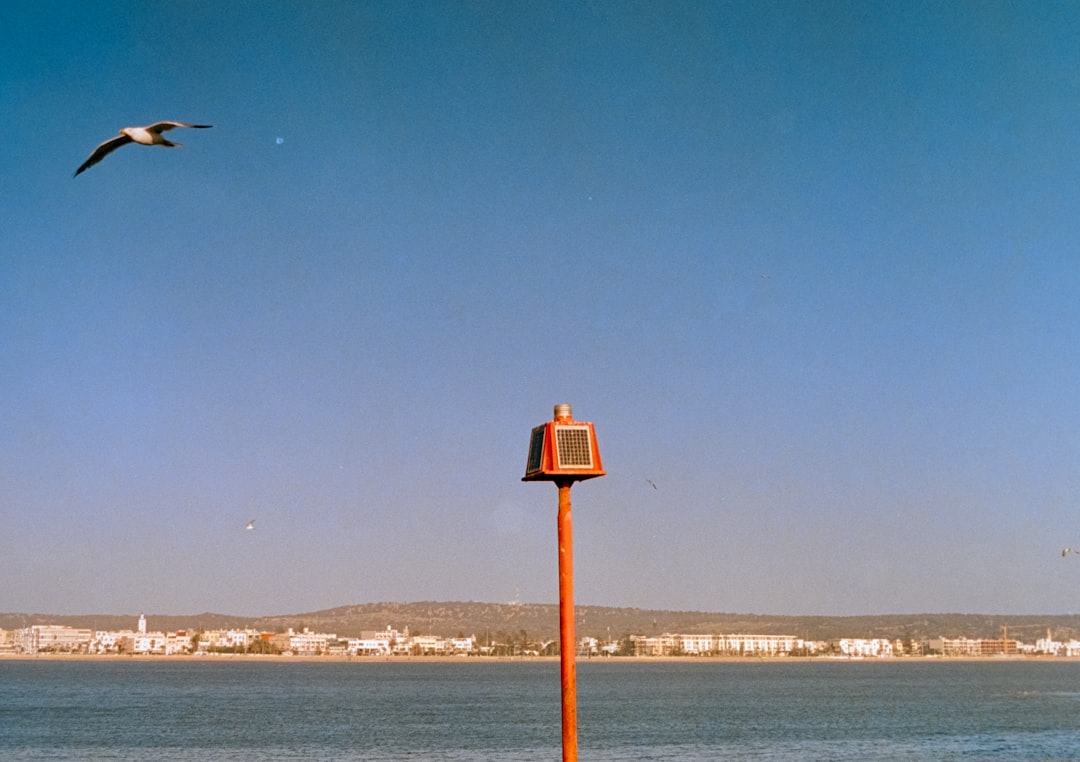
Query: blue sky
x=812, y=268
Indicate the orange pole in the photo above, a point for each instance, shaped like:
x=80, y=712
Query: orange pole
x=566, y=625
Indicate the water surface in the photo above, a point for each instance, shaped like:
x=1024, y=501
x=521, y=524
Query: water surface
x=509, y=712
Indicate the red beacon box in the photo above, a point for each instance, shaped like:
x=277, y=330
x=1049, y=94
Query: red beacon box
x=563, y=450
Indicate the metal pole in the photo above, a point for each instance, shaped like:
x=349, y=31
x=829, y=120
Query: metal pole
x=566, y=625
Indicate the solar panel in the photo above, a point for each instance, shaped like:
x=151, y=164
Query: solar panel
x=536, y=450
x=572, y=447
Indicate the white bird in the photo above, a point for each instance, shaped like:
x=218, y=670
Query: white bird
x=1067, y=551
x=250, y=524
x=147, y=136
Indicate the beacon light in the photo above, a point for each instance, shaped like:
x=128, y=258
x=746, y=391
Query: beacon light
x=563, y=450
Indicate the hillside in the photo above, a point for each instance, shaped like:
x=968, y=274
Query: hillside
x=542, y=621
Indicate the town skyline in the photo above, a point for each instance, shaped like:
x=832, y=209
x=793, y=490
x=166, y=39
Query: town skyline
x=450, y=618
x=390, y=642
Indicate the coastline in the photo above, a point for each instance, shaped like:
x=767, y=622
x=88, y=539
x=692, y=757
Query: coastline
x=339, y=659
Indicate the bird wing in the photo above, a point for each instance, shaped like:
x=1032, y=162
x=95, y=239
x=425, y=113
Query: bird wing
x=163, y=126
x=102, y=151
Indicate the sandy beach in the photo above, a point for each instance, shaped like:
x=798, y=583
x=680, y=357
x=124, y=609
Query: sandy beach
x=267, y=658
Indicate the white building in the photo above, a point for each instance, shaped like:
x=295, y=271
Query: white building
x=227, y=639
x=463, y=645
x=428, y=644
x=1057, y=648
x=956, y=646
x=53, y=638
x=148, y=643
x=396, y=642
x=110, y=641
x=305, y=643
x=369, y=647
x=722, y=645
x=861, y=647
x=698, y=645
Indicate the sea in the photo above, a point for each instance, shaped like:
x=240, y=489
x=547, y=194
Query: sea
x=55, y=709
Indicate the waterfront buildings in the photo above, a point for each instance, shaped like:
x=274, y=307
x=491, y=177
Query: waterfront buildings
x=721, y=645
x=48, y=638
x=976, y=646
x=51, y=637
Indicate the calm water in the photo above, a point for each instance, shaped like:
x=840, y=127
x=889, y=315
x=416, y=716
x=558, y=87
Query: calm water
x=502, y=712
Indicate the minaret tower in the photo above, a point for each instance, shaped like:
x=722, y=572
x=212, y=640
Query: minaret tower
x=142, y=623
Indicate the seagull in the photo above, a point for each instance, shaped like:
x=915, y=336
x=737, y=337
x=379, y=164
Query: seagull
x=250, y=524
x=1067, y=551
x=147, y=136
x=651, y=482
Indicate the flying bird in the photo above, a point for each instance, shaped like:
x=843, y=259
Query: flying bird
x=250, y=524
x=652, y=483
x=147, y=136
x=1067, y=551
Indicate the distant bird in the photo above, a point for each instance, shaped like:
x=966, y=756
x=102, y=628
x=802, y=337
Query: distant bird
x=652, y=483
x=147, y=136
x=250, y=524
x=1067, y=551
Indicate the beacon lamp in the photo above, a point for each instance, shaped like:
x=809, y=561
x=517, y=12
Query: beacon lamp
x=564, y=451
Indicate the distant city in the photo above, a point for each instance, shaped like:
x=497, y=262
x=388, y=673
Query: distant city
x=44, y=639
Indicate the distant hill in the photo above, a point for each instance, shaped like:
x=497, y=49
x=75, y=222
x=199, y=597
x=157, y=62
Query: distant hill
x=541, y=621
x=170, y=623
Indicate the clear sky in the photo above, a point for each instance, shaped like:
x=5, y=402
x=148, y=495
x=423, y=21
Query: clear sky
x=812, y=268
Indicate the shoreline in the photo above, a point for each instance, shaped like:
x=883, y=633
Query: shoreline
x=339, y=659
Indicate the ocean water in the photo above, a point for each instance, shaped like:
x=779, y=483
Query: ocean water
x=509, y=712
